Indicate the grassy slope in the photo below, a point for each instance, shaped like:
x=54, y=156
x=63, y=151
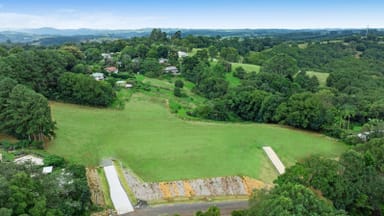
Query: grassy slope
x=322, y=77
x=159, y=146
x=234, y=81
x=247, y=67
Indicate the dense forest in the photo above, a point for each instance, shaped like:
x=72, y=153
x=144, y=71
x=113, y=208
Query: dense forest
x=287, y=90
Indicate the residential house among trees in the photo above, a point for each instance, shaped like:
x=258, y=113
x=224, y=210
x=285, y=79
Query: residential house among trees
x=172, y=70
x=111, y=70
x=98, y=76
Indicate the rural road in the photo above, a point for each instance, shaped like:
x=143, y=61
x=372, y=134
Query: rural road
x=189, y=209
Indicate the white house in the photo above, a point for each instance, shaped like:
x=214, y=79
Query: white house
x=171, y=69
x=107, y=55
x=98, y=76
x=182, y=54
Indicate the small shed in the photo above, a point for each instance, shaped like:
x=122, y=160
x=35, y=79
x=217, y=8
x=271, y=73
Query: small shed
x=47, y=169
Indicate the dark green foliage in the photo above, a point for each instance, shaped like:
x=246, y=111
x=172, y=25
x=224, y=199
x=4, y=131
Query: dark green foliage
x=212, y=87
x=239, y=73
x=151, y=68
x=189, y=68
x=177, y=92
x=82, y=89
x=24, y=113
x=53, y=160
x=247, y=104
x=290, y=199
x=305, y=110
x=58, y=193
x=217, y=111
x=307, y=83
x=179, y=83
x=212, y=211
x=281, y=64
x=229, y=54
x=355, y=183
x=39, y=69
x=270, y=82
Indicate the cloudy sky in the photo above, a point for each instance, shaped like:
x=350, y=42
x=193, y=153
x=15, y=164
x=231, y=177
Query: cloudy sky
x=127, y=14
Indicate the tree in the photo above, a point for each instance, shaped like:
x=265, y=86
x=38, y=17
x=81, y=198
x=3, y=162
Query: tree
x=157, y=35
x=212, y=51
x=212, y=211
x=239, y=73
x=179, y=83
x=212, y=87
x=177, y=92
x=27, y=115
x=82, y=89
x=229, y=54
x=305, y=110
x=247, y=104
x=291, y=199
x=281, y=64
x=307, y=83
x=151, y=67
x=6, y=86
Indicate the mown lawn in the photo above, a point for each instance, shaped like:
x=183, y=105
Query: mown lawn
x=159, y=146
x=247, y=67
x=321, y=76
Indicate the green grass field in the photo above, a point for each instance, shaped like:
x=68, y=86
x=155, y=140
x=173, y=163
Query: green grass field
x=321, y=76
x=158, y=146
x=247, y=67
x=233, y=81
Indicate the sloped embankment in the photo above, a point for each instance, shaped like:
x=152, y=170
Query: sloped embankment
x=196, y=188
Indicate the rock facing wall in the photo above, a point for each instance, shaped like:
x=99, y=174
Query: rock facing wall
x=209, y=187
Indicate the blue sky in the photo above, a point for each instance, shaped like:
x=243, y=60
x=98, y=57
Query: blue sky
x=120, y=14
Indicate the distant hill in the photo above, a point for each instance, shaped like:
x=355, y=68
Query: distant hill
x=52, y=36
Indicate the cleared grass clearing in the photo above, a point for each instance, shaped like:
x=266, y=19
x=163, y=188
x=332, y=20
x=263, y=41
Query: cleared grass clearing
x=233, y=81
x=247, y=67
x=158, y=146
x=321, y=76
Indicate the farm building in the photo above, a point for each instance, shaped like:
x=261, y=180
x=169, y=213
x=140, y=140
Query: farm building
x=98, y=76
x=172, y=70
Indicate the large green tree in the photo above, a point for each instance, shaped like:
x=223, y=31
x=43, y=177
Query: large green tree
x=290, y=199
x=281, y=64
x=27, y=115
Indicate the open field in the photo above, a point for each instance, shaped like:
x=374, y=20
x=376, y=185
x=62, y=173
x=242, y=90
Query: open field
x=322, y=77
x=158, y=146
x=247, y=67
